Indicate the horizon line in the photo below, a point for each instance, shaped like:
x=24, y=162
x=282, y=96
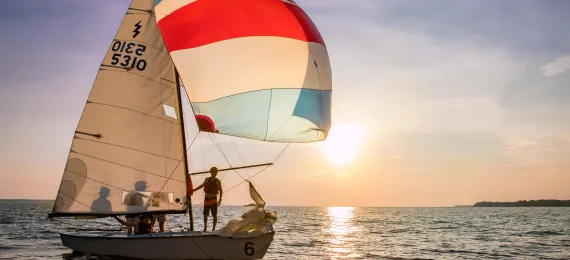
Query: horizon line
x=267, y=205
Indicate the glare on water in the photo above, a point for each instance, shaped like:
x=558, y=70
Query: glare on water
x=340, y=226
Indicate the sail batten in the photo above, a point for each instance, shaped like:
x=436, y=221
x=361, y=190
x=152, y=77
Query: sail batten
x=127, y=152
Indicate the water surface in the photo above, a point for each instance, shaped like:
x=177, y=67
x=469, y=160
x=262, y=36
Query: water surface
x=336, y=233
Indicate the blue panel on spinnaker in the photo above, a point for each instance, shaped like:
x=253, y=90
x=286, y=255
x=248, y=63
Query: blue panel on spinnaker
x=275, y=115
x=315, y=106
x=243, y=115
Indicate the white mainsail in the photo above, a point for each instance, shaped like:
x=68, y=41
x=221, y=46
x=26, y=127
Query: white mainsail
x=128, y=145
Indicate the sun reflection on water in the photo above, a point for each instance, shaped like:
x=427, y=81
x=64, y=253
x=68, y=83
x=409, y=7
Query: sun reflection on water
x=340, y=232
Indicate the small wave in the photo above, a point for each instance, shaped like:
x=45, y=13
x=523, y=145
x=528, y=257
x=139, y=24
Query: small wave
x=444, y=228
x=399, y=230
x=311, y=243
x=543, y=233
x=541, y=244
x=6, y=247
x=466, y=252
x=382, y=233
x=372, y=221
x=483, y=238
x=375, y=256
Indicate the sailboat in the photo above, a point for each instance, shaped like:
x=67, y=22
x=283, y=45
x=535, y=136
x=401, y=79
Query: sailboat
x=252, y=69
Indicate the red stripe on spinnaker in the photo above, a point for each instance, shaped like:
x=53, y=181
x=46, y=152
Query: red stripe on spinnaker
x=207, y=21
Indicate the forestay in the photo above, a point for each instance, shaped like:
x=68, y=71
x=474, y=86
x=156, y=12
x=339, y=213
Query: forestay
x=128, y=146
x=257, y=69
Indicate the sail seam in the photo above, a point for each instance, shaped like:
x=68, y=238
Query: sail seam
x=128, y=148
x=258, y=90
x=132, y=168
x=123, y=70
x=98, y=181
x=136, y=9
x=132, y=110
x=268, y=114
x=270, y=140
x=281, y=126
x=237, y=151
x=168, y=80
x=63, y=193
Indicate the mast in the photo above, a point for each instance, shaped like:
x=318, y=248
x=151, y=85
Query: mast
x=185, y=154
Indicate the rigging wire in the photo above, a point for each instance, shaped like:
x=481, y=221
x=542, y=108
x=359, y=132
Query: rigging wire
x=237, y=151
x=221, y=151
x=173, y=171
x=248, y=179
x=253, y=176
x=219, y=146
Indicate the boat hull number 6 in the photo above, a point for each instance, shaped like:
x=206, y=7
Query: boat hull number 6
x=248, y=248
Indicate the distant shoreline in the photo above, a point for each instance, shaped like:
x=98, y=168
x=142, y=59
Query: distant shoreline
x=481, y=204
x=525, y=203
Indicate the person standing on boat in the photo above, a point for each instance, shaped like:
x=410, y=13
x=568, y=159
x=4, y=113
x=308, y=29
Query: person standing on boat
x=212, y=186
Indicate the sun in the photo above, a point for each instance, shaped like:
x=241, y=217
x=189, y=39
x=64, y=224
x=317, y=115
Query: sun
x=343, y=143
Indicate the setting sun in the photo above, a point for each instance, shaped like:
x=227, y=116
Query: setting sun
x=343, y=143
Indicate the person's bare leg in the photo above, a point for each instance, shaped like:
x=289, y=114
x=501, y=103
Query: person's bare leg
x=205, y=222
x=214, y=216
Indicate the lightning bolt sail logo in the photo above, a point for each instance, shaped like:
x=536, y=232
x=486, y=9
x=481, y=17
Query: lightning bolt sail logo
x=138, y=26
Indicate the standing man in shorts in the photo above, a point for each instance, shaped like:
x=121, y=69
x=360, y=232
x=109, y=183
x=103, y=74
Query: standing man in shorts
x=212, y=186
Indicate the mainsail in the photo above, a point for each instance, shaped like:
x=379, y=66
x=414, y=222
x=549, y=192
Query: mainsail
x=257, y=69
x=127, y=154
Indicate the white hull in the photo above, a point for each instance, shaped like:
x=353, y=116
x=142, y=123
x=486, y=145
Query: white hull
x=170, y=245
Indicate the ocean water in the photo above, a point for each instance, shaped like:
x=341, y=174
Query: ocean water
x=336, y=233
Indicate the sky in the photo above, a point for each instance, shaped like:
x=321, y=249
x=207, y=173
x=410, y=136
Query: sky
x=435, y=103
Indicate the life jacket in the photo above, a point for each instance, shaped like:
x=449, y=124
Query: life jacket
x=211, y=186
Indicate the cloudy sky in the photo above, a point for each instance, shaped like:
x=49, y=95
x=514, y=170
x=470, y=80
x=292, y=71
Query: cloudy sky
x=450, y=102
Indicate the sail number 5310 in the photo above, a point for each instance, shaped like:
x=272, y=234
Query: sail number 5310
x=132, y=58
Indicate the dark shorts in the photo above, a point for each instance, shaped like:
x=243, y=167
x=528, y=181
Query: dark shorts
x=212, y=208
